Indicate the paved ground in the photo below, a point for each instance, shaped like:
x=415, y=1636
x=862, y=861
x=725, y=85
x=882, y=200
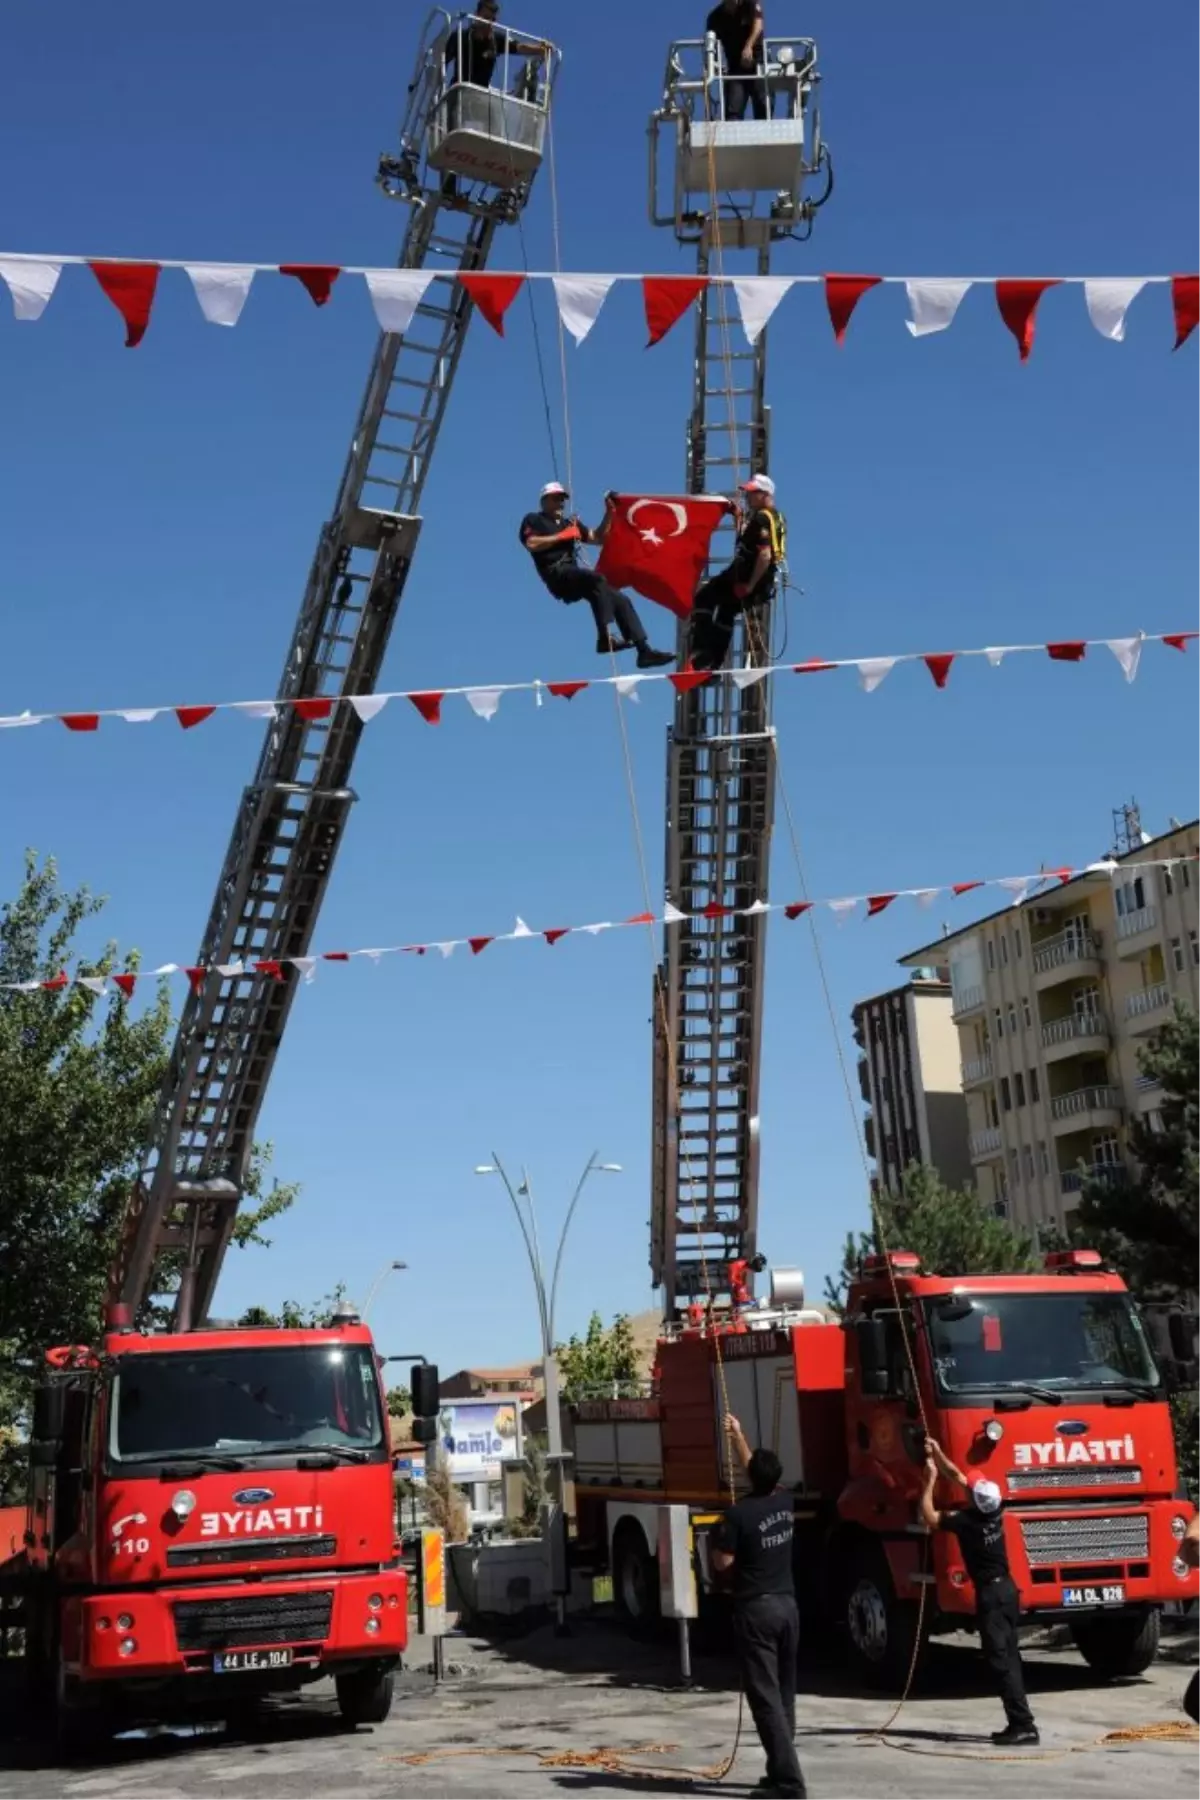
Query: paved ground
x=514, y=1698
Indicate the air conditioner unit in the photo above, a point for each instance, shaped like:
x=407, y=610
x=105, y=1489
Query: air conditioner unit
x=1042, y=915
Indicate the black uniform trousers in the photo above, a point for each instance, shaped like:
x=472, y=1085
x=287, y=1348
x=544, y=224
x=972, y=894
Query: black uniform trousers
x=766, y=1637
x=997, y=1612
x=714, y=610
x=571, y=582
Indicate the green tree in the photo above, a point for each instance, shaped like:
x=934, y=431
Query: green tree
x=399, y=1402
x=292, y=1316
x=948, y=1228
x=603, y=1361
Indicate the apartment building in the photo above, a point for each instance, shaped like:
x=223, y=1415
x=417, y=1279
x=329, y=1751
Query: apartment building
x=911, y=1079
x=1051, y=1001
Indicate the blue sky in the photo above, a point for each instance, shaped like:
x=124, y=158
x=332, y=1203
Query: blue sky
x=159, y=508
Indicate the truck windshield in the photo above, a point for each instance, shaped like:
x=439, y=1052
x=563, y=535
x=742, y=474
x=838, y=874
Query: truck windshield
x=1054, y=1343
x=244, y=1402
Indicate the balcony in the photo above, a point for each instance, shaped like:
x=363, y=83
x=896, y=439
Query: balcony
x=1146, y=1008
x=1073, y=952
x=1132, y=926
x=966, y=1000
x=1072, y=1180
x=1074, y=1035
x=977, y=1069
x=1086, y=1109
x=985, y=1144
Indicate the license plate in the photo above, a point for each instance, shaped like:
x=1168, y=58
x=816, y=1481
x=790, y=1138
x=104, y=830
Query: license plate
x=233, y=1662
x=1111, y=1595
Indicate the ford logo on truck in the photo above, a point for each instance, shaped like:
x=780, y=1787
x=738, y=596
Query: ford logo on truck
x=1067, y=1427
x=253, y=1496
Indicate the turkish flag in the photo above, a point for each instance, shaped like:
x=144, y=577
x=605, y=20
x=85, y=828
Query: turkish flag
x=659, y=546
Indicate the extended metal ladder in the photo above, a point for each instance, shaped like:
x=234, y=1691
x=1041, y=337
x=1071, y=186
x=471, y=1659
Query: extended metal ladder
x=708, y=999
x=292, y=816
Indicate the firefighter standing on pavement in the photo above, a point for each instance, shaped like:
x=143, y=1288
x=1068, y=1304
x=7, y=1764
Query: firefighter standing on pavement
x=979, y=1528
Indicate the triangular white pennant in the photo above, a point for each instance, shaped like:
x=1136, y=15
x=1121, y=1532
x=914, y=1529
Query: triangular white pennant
x=755, y=907
x=368, y=706
x=396, y=295
x=372, y=956
x=925, y=896
x=1108, y=300
x=165, y=969
x=307, y=965
x=933, y=305
x=1128, y=652
x=221, y=289
x=95, y=984
x=744, y=678
x=995, y=656
x=17, y=719
x=841, y=909
x=230, y=971
x=484, y=702
x=1106, y=866
x=256, y=709
x=595, y=930
x=30, y=283
x=627, y=686
x=874, y=670
x=1016, y=885
x=447, y=949
x=757, y=298
x=521, y=929
x=142, y=715
x=580, y=298
x=672, y=915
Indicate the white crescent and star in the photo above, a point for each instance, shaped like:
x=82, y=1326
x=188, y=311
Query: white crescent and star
x=647, y=533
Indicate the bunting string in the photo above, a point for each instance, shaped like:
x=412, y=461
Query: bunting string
x=222, y=290
x=484, y=701
x=122, y=985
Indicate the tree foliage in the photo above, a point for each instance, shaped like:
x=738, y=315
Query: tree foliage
x=604, y=1361
x=948, y=1228
x=295, y=1316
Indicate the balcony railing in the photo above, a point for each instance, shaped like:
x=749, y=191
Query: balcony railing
x=1147, y=1000
x=978, y=1068
x=1085, y=1100
x=1078, y=945
x=1132, y=924
x=1147, y=1084
x=966, y=1000
x=1073, y=1179
x=986, y=1142
x=1075, y=1025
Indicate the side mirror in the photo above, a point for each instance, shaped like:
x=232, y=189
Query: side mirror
x=49, y=1413
x=871, y=1335
x=1181, y=1331
x=424, y=1431
x=1160, y=1329
x=952, y=1312
x=426, y=1392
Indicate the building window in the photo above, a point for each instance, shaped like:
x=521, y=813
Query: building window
x=1026, y=1013
x=1086, y=1002
x=1168, y=881
x=1106, y=1150
x=1185, y=875
x=1004, y=949
x=999, y=1023
x=1044, y=1158
x=1019, y=1086
x=1017, y=944
x=1177, y=955
x=1154, y=1120
x=1005, y=1094
x=1195, y=949
x=1012, y=1020
x=1027, y=1152
x=1035, y=1087
x=991, y=956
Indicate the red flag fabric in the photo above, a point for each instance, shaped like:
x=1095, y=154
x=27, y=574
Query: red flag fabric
x=57, y=982
x=313, y=709
x=1178, y=640
x=1064, y=874
x=687, y=679
x=842, y=295
x=642, y=918
x=1018, y=302
x=796, y=908
x=478, y=944
x=197, y=977
x=335, y=956
x=553, y=935
x=567, y=690
x=126, y=984
x=81, y=721
x=429, y=706
x=493, y=295
x=1185, y=297
x=316, y=278
x=193, y=715
x=939, y=668
x=268, y=966
x=811, y=668
x=1069, y=652
x=659, y=547
x=666, y=299
x=877, y=903
x=714, y=910
x=130, y=287
x=964, y=887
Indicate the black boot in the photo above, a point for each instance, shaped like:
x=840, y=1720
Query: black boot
x=648, y=658
x=1016, y=1734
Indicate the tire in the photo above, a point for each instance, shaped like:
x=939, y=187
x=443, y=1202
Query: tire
x=636, y=1593
x=1120, y=1644
x=365, y=1698
x=79, y=1728
x=879, y=1631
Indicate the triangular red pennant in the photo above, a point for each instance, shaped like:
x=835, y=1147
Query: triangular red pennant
x=1185, y=297
x=270, y=967
x=313, y=709
x=1018, y=302
x=557, y=932
x=567, y=690
x=666, y=299
x=414, y=949
x=686, y=679
x=478, y=944
x=811, y=668
x=126, y=984
x=81, y=721
x=493, y=295
x=57, y=982
x=645, y=918
x=197, y=978
x=714, y=911
x=796, y=908
x=939, y=668
x=1178, y=640
x=429, y=706
x=842, y=295
x=1063, y=874
x=193, y=715
x=1069, y=652
x=316, y=278
x=130, y=287
x=877, y=903
x=964, y=887
x=335, y=956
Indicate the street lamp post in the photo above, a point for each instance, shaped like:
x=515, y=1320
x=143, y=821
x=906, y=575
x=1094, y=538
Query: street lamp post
x=546, y=1298
x=375, y=1286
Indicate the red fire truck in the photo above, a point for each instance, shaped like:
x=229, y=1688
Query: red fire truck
x=1046, y=1383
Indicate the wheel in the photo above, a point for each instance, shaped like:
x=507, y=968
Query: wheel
x=635, y=1579
x=1117, y=1644
x=880, y=1631
x=365, y=1697
x=79, y=1727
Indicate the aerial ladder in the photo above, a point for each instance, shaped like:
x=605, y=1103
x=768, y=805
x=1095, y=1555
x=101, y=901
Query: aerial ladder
x=737, y=189
x=466, y=162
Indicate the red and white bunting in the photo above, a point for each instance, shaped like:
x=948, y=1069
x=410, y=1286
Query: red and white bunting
x=841, y=909
x=933, y=301
x=484, y=702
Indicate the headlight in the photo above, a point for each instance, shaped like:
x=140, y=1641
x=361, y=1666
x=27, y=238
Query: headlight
x=124, y=1621
x=127, y=1646
x=103, y=1624
x=372, y=1626
x=184, y=1504
x=993, y=1431
x=375, y=1602
x=1179, y=1527
x=1180, y=1569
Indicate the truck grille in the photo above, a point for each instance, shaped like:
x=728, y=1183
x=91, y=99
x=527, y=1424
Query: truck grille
x=1020, y=1481
x=266, y=1619
x=250, y=1550
x=1123, y=1537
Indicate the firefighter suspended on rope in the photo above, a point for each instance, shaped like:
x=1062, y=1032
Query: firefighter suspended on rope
x=553, y=540
x=760, y=553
